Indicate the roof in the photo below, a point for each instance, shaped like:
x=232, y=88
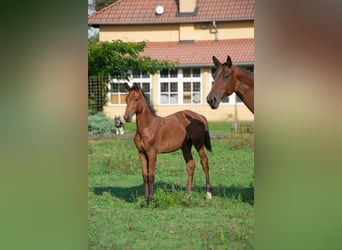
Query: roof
x=201, y=52
x=143, y=12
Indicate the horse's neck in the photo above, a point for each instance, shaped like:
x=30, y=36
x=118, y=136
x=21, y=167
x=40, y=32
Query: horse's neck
x=245, y=89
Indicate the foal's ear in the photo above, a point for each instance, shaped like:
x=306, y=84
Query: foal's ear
x=229, y=61
x=216, y=62
x=135, y=85
x=127, y=86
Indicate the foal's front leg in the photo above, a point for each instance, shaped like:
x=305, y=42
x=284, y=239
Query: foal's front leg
x=143, y=160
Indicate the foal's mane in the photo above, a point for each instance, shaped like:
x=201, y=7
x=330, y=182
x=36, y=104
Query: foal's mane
x=149, y=104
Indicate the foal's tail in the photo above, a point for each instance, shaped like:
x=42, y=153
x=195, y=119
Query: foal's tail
x=207, y=142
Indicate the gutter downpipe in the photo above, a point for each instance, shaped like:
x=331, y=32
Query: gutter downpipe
x=216, y=31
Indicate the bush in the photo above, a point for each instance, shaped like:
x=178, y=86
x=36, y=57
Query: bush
x=100, y=124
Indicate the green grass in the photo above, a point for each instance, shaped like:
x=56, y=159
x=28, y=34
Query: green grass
x=175, y=219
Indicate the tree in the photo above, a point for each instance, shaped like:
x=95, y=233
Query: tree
x=115, y=58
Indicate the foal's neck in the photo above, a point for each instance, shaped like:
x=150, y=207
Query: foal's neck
x=245, y=89
x=144, y=118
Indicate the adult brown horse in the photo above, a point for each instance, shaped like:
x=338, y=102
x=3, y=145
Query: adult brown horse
x=156, y=135
x=229, y=78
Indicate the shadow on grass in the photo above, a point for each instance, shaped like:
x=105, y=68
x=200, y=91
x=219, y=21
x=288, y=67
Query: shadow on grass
x=246, y=194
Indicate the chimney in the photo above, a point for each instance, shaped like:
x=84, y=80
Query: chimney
x=187, y=8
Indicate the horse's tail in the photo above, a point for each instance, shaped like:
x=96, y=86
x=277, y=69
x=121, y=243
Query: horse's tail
x=207, y=142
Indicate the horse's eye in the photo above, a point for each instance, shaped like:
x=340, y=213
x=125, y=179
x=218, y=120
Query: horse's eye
x=226, y=76
x=136, y=99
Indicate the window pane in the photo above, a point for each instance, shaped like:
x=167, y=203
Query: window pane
x=136, y=74
x=196, y=98
x=114, y=99
x=186, y=98
x=174, y=99
x=164, y=87
x=196, y=86
x=115, y=88
x=186, y=72
x=196, y=72
x=164, y=99
x=174, y=73
x=174, y=86
x=144, y=74
x=145, y=87
x=164, y=73
x=187, y=86
x=122, y=87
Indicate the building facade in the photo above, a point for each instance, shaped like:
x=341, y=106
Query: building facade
x=190, y=33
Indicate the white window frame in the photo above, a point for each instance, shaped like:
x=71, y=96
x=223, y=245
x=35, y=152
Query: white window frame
x=180, y=79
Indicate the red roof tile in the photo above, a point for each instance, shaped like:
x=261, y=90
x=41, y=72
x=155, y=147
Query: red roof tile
x=201, y=52
x=143, y=11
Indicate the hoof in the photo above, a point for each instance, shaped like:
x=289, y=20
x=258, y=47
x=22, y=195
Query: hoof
x=208, y=197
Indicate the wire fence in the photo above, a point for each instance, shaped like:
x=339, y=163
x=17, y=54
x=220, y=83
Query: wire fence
x=97, y=92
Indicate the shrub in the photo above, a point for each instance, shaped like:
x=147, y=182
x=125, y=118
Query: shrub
x=100, y=124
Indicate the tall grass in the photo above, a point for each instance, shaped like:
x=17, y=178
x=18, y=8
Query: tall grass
x=175, y=218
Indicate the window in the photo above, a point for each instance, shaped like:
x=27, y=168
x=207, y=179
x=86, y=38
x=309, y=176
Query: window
x=143, y=80
x=180, y=86
x=118, y=92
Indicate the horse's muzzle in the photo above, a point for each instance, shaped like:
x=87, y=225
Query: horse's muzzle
x=213, y=102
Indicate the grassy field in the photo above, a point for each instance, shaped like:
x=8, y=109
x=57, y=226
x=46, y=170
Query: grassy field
x=175, y=219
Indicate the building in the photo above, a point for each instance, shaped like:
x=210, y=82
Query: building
x=190, y=32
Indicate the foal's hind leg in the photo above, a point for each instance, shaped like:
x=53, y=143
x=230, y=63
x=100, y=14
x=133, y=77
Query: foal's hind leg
x=205, y=166
x=190, y=164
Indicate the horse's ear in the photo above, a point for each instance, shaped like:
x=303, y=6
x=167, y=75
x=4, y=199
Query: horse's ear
x=216, y=62
x=229, y=61
x=127, y=86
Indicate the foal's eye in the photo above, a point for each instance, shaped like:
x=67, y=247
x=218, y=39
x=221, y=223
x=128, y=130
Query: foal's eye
x=226, y=76
x=136, y=99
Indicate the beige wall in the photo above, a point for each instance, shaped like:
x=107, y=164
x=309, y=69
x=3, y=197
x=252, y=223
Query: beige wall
x=137, y=33
x=187, y=31
x=233, y=30
x=176, y=32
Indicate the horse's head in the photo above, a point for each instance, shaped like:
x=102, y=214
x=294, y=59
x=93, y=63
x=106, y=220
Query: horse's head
x=133, y=101
x=224, y=82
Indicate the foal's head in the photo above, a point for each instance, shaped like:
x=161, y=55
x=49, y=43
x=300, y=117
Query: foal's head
x=133, y=101
x=224, y=82
x=136, y=102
